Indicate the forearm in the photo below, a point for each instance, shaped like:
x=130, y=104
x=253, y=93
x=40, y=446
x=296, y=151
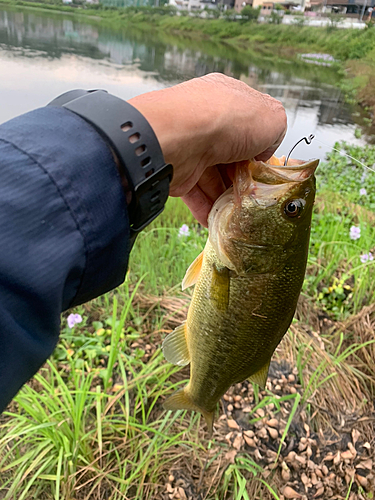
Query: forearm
x=65, y=233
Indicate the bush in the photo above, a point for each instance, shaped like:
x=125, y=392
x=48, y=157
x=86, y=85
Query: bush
x=248, y=13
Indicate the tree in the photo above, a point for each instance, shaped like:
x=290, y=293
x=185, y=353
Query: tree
x=248, y=13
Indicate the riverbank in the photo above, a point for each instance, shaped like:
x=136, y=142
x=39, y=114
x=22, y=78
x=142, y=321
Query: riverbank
x=91, y=423
x=353, y=50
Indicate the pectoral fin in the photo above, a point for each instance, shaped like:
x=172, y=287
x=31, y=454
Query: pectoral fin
x=193, y=272
x=181, y=400
x=175, y=347
x=219, y=290
x=260, y=377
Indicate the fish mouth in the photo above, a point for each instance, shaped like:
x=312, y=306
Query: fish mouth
x=298, y=171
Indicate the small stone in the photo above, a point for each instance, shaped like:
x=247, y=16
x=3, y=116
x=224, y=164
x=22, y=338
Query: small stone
x=285, y=474
x=366, y=464
x=346, y=455
x=308, y=452
x=171, y=478
x=169, y=488
x=273, y=422
x=290, y=457
x=291, y=493
x=237, y=398
x=367, y=446
x=355, y=435
x=353, y=451
x=304, y=479
x=238, y=442
x=302, y=446
x=182, y=494
x=273, y=432
x=291, y=378
x=271, y=454
x=249, y=441
x=249, y=433
x=319, y=473
x=230, y=407
x=262, y=433
x=319, y=492
x=362, y=480
x=232, y=424
x=277, y=387
x=314, y=479
x=337, y=458
x=301, y=460
x=295, y=371
x=293, y=390
x=325, y=470
x=237, y=405
x=226, y=397
x=260, y=412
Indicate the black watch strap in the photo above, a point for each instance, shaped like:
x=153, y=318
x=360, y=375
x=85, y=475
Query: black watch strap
x=130, y=135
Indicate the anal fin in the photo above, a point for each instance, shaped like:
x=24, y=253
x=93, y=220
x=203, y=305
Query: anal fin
x=193, y=272
x=260, y=377
x=175, y=347
x=181, y=400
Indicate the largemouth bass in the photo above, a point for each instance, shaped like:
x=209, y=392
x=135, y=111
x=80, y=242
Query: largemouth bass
x=247, y=282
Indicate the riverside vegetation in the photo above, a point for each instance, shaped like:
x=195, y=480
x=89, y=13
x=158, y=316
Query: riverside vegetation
x=90, y=425
x=353, y=49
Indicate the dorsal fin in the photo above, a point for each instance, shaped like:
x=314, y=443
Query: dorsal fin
x=193, y=272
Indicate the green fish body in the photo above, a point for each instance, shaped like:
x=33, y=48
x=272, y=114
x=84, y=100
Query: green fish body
x=247, y=282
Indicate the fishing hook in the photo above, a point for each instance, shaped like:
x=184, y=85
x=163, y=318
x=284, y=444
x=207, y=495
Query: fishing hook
x=306, y=139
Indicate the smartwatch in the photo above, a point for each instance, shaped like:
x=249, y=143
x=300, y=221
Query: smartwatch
x=141, y=163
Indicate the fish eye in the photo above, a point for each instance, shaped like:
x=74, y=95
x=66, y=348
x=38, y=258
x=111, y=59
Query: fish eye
x=293, y=208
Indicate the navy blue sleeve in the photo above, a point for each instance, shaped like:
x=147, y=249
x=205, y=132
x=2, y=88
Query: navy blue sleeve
x=64, y=233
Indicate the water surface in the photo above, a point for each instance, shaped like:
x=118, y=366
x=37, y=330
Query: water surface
x=45, y=54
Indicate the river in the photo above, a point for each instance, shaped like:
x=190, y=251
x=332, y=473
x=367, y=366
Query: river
x=45, y=54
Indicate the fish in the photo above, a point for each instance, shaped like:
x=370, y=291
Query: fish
x=247, y=282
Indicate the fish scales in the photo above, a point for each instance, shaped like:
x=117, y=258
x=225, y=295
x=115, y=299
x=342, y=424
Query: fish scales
x=261, y=317
x=247, y=282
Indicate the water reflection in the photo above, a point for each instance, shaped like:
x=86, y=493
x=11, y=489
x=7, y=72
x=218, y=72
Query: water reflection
x=42, y=55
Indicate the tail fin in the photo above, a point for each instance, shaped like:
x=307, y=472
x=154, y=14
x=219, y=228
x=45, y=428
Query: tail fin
x=181, y=400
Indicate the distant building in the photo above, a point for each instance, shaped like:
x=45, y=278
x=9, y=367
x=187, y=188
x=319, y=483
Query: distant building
x=201, y=4
x=240, y=4
x=267, y=6
x=352, y=8
x=66, y=2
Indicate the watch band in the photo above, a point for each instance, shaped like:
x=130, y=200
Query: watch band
x=130, y=135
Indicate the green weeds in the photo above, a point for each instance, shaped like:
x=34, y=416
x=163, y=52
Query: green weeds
x=91, y=424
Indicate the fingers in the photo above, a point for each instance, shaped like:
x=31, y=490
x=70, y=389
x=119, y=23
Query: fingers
x=199, y=204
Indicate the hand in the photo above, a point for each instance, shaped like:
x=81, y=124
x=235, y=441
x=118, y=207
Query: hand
x=204, y=126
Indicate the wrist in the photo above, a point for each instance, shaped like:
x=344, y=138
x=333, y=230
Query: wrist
x=184, y=130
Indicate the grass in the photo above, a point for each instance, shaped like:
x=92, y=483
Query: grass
x=90, y=425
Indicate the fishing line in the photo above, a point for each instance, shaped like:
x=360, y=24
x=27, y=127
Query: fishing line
x=308, y=141
x=348, y=156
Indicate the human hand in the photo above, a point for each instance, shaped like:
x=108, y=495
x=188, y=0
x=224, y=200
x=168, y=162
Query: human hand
x=206, y=124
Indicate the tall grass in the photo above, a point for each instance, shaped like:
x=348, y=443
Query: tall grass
x=90, y=425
